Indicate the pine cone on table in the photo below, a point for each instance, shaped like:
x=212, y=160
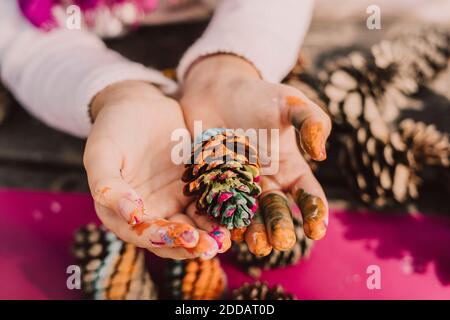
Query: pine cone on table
x=382, y=173
x=428, y=145
x=261, y=291
x=276, y=259
x=223, y=176
x=195, y=279
x=364, y=92
x=111, y=269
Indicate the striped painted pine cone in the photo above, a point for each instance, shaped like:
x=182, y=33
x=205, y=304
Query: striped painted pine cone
x=261, y=291
x=276, y=259
x=223, y=175
x=195, y=279
x=111, y=269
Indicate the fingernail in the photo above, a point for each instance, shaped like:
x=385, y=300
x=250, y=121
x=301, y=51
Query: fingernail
x=172, y=234
x=132, y=209
x=188, y=238
x=226, y=245
x=237, y=234
x=314, y=213
x=259, y=244
x=278, y=219
x=223, y=242
x=283, y=239
x=180, y=234
x=313, y=139
x=206, y=247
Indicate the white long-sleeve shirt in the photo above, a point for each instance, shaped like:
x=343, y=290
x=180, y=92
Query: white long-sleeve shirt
x=55, y=75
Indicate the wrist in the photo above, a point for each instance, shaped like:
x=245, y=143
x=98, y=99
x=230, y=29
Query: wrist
x=213, y=67
x=130, y=92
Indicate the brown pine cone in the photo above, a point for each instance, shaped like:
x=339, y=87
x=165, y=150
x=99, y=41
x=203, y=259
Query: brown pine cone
x=429, y=146
x=276, y=259
x=195, y=279
x=111, y=269
x=365, y=92
x=261, y=291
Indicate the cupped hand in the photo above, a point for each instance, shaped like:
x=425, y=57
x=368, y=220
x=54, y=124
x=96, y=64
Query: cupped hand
x=134, y=182
x=226, y=91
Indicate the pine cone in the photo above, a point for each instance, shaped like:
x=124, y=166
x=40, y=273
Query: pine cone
x=364, y=93
x=111, y=268
x=383, y=173
x=276, y=259
x=429, y=146
x=195, y=279
x=261, y=291
x=223, y=176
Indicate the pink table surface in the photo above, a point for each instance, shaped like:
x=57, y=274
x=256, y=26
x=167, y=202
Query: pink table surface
x=413, y=253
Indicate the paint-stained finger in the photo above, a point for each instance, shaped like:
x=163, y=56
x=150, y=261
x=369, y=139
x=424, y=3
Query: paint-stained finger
x=256, y=237
x=103, y=164
x=312, y=124
x=162, y=233
x=215, y=231
x=310, y=198
x=237, y=234
x=205, y=249
x=278, y=219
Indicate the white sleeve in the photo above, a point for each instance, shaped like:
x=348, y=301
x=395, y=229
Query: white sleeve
x=267, y=33
x=55, y=75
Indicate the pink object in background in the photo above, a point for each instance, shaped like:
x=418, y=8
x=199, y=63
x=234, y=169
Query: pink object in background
x=412, y=253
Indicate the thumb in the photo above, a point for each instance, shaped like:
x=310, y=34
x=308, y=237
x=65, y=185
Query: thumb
x=103, y=165
x=312, y=124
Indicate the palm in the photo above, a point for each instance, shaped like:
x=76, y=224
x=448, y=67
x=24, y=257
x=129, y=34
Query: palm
x=243, y=101
x=145, y=155
x=249, y=103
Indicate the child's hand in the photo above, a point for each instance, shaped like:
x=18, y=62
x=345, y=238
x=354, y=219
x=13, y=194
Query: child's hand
x=226, y=91
x=129, y=168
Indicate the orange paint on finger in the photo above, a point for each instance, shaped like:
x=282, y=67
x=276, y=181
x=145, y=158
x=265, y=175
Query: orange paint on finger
x=206, y=247
x=283, y=238
x=165, y=233
x=314, y=213
x=104, y=190
x=237, y=234
x=293, y=101
x=278, y=219
x=257, y=240
x=312, y=136
x=140, y=228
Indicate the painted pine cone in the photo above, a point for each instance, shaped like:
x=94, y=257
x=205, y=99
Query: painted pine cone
x=223, y=176
x=111, y=269
x=276, y=259
x=261, y=291
x=195, y=279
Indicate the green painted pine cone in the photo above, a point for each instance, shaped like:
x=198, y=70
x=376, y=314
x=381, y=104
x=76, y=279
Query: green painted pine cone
x=223, y=176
